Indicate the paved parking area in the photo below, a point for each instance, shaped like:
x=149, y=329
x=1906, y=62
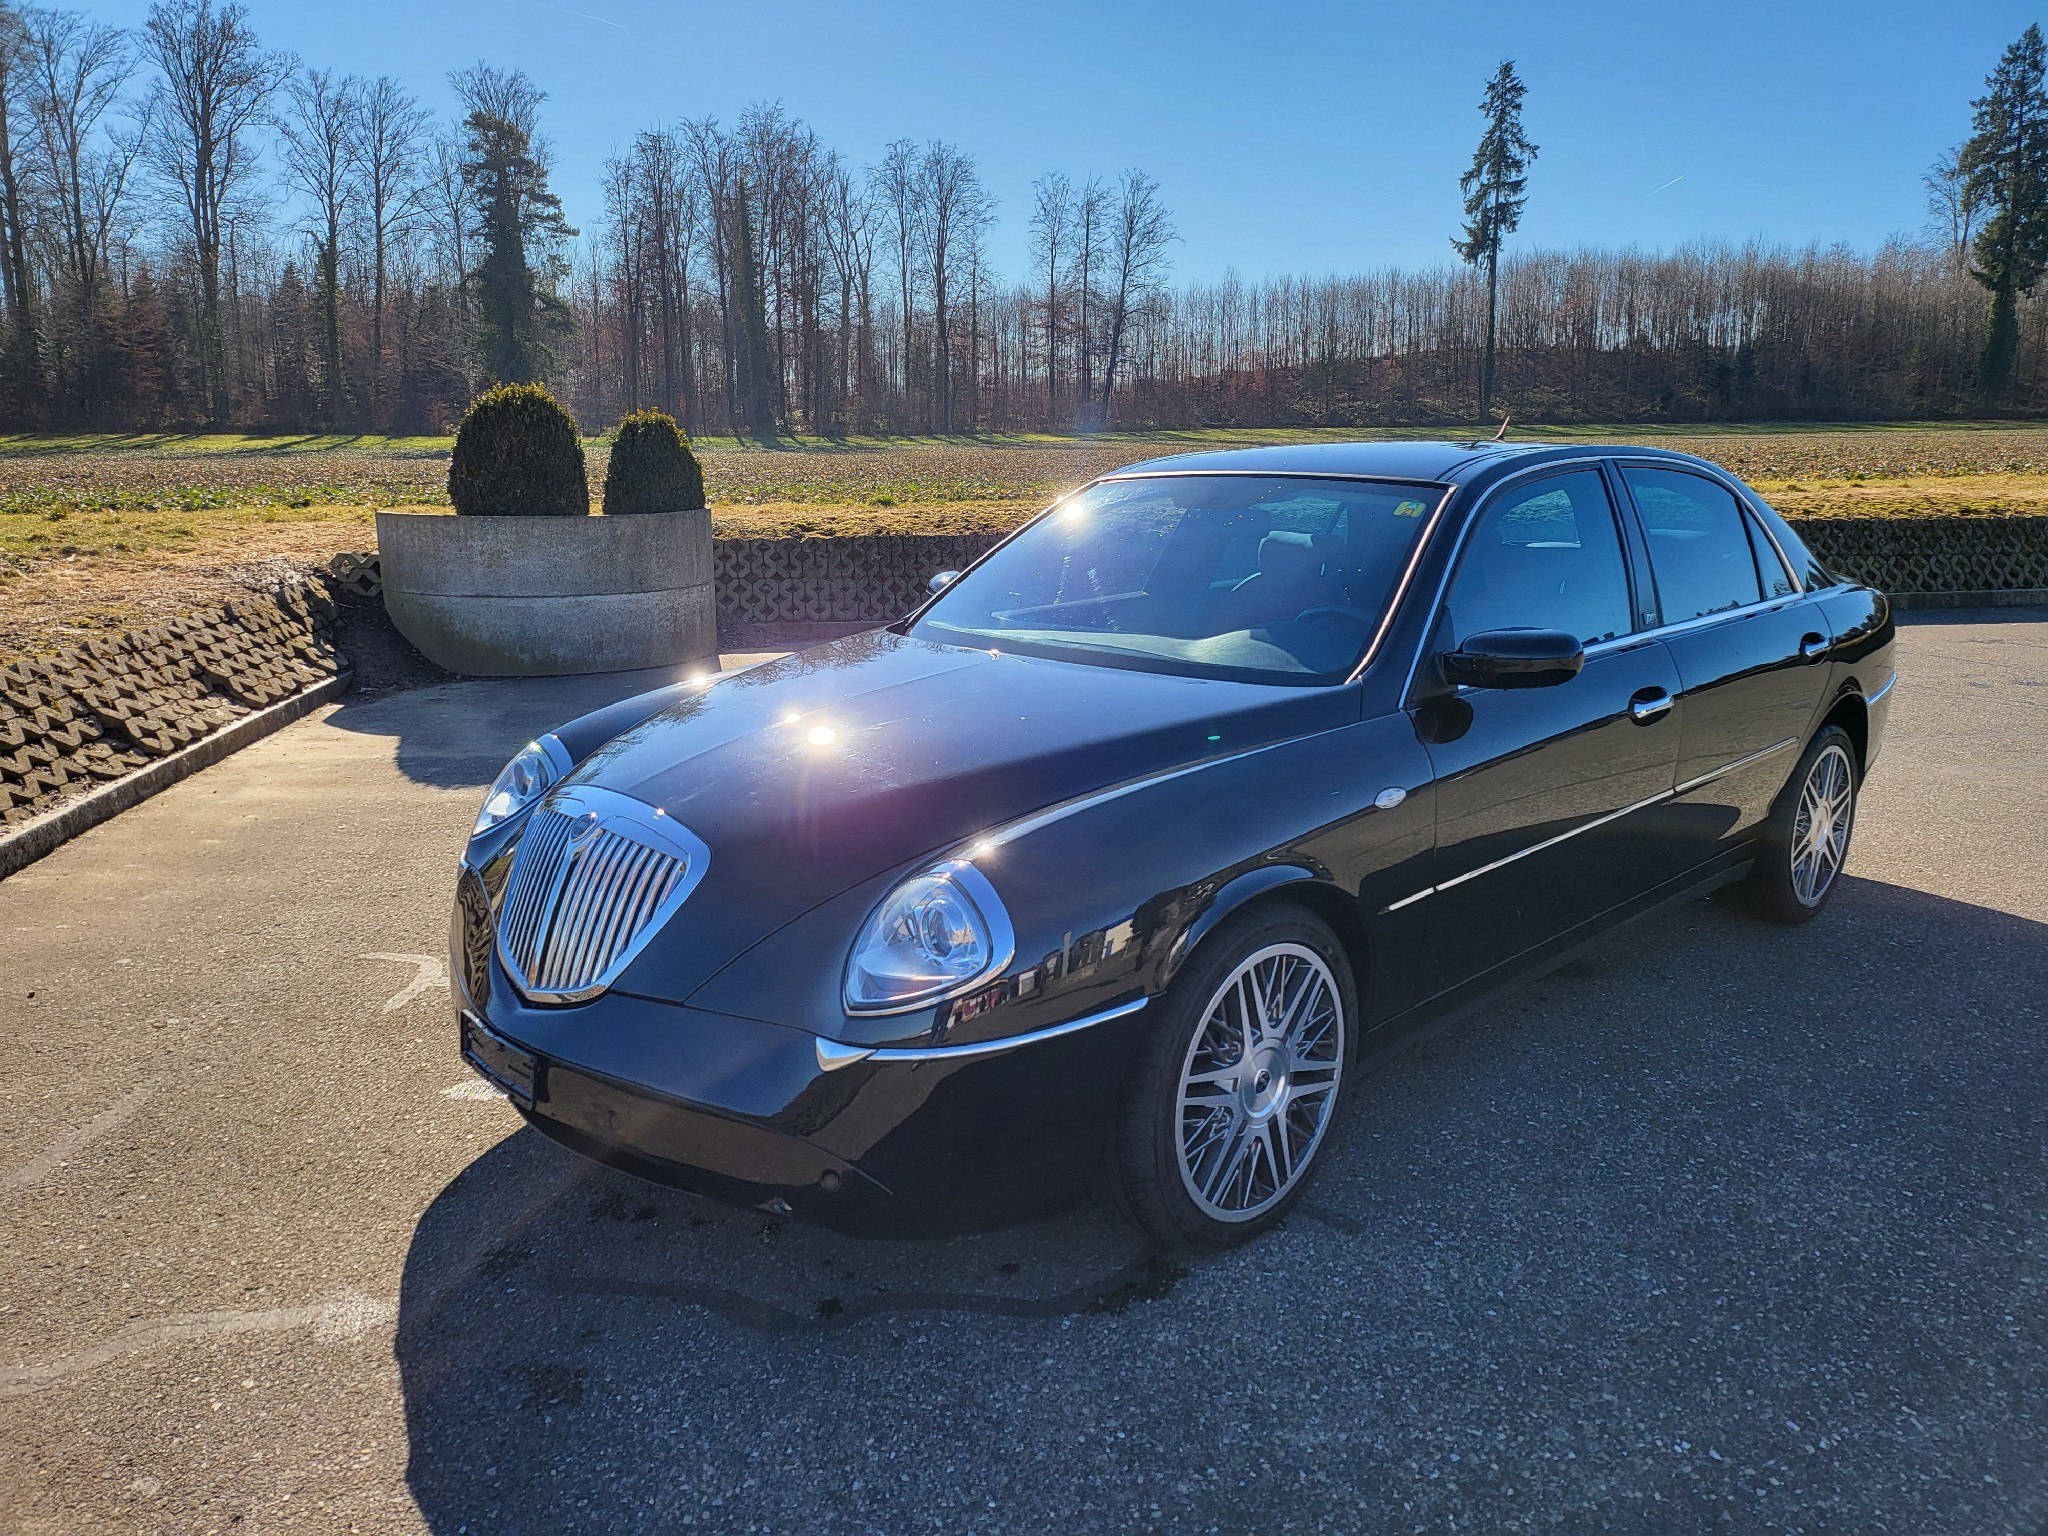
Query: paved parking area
x=1722, y=1227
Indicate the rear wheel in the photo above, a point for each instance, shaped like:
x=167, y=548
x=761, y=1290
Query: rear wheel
x=1234, y=1096
x=1806, y=842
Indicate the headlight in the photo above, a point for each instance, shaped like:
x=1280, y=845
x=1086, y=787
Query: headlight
x=941, y=933
x=531, y=773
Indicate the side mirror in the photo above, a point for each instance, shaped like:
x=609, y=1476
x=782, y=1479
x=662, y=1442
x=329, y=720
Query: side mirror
x=1515, y=658
x=943, y=580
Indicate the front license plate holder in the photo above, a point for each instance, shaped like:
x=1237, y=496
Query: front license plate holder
x=513, y=1070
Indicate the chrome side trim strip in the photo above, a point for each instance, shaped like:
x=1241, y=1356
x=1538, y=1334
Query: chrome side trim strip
x=833, y=1054
x=1683, y=626
x=1598, y=821
x=1887, y=688
x=1741, y=762
x=1548, y=842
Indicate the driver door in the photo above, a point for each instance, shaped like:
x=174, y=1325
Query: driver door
x=1540, y=791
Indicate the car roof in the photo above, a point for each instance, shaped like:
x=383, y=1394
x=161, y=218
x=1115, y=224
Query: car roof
x=1438, y=460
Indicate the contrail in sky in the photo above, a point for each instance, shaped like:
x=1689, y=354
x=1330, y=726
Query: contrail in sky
x=1674, y=181
x=579, y=15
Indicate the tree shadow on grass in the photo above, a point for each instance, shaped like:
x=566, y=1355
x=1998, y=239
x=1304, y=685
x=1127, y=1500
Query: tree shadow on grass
x=1720, y=1221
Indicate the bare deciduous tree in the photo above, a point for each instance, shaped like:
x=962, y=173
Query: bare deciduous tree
x=1140, y=231
x=1052, y=227
x=322, y=161
x=1953, y=204
x=217, y=82
x=390, y=135
x=954, y=209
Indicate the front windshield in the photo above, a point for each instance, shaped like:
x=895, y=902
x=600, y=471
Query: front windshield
x=1272, y=578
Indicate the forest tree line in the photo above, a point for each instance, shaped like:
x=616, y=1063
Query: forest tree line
x=198, y=231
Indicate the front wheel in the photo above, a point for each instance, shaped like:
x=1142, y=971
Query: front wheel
x=1234, y=1096
x=1806, y=842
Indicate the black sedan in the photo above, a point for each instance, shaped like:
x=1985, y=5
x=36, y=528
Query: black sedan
x=1132, y=845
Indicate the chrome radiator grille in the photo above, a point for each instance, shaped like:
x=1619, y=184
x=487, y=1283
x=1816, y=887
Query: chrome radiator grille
x=596, y=875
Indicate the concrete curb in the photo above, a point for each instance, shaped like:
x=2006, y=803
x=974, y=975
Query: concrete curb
x=33, y=839
x=2016, y=597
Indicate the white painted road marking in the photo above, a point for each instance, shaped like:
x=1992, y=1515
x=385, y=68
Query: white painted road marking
x=64, y=1148
x=472, y=1088
x=345, y=1315
x=433, y=973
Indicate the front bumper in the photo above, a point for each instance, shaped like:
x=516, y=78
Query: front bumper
x=745, y=1112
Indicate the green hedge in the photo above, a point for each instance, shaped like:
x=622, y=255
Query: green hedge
x=652, y=468
x=518, y=454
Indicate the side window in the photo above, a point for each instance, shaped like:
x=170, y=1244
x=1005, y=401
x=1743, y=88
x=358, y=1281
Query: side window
x=1777, y=580
x=1699, y=543
x=1545, y=556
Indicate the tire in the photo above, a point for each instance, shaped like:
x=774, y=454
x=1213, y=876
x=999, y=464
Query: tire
x=1806, y=841
x=1208, y=1154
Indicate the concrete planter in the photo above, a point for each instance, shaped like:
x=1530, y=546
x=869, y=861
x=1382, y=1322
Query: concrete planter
x=545, y=596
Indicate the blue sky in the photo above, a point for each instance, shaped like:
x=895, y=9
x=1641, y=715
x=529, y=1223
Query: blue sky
x=1287, y=137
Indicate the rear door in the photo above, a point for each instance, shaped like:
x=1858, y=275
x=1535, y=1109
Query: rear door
x=1540, y=791
x=1750, y=648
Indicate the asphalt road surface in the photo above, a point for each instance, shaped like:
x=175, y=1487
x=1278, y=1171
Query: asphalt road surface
x=1723, y=1227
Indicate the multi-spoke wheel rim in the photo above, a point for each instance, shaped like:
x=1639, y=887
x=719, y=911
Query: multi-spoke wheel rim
x=1259, y=1082
x=1820, y=829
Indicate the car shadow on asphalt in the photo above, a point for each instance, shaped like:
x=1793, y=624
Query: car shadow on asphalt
x=458, y=734
x=1710, y=1179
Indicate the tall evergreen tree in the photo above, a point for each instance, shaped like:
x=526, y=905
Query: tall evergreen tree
x=2004, y=165
x=755, y=386
x=1495, y=188
x=508, y=177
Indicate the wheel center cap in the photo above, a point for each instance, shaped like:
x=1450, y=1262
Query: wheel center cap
x=1265, y=1085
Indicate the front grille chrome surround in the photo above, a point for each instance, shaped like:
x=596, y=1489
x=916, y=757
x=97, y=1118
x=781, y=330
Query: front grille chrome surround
x=596, y=875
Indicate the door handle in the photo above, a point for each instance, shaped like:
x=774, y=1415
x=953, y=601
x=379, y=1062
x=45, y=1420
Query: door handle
x=1813, y=647
x=1650, y=705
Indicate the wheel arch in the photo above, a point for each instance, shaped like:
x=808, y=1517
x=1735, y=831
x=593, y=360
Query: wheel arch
x=1852, y=714
x=1274, y=885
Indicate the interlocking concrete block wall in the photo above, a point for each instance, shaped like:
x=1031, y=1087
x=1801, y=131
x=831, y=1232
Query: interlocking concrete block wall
x=1919, y=555
x=883, y=577
x=870, y=576
x=100, y=710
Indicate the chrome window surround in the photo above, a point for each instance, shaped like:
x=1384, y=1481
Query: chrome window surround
x=631, y=821
x=1743, y=495
x=1394, y=598
x=1634, y=637
x=1002, y=940
x=1598, y=821
x=832, y=1054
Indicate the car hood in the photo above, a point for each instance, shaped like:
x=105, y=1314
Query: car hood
x=809, y=774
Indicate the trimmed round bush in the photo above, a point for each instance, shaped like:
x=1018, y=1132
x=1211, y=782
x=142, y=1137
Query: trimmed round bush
x=652, y=467
x=518, y=454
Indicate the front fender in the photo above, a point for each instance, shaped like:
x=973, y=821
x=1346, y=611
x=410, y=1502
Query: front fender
x=1109, y=894
x=1233, y=894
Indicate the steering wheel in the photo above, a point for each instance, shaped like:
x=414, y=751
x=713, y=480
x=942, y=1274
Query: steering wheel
x=1338, y=611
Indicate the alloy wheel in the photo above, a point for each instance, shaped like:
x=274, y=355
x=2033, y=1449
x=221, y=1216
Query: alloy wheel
x=1820, y=827
x=1258, y=1084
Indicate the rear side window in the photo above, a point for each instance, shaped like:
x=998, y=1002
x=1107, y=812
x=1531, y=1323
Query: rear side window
x=1699, y=544
x=1777, y=581
x=1545, y=556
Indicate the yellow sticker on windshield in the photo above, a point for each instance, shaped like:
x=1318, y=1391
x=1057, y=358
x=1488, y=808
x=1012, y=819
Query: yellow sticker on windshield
x=1408, y=509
